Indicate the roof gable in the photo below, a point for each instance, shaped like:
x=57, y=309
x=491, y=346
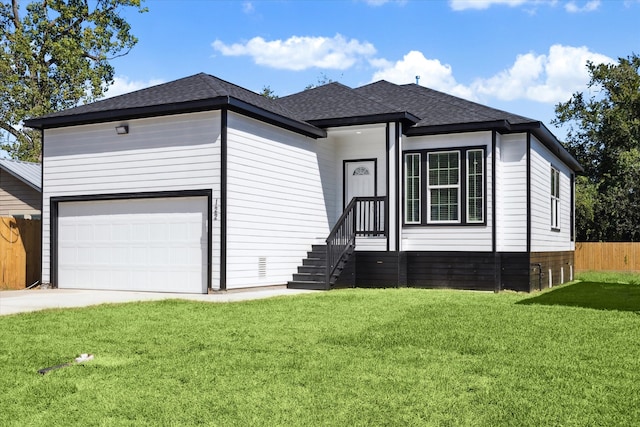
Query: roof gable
x=27, y=172
x=436, y=108
x=334, y=103
x=195, y=93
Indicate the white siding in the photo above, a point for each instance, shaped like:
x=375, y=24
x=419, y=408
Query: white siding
x=455, y=237
x=371, y=243
x=170, y=153
x=276, y=192
x=543, y=239
x=511, y=194
x=357, y=143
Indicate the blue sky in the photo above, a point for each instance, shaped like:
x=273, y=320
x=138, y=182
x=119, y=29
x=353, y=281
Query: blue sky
x=518, y=55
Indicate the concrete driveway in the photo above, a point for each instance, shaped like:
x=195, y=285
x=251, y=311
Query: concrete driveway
x=21, y=301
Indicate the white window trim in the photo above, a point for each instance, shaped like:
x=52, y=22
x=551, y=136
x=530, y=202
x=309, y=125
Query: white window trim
x=555, y=199
x=484, y=190
x=436, y=187
x=419, y=220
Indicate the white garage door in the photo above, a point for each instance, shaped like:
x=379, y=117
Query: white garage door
x=157, y=245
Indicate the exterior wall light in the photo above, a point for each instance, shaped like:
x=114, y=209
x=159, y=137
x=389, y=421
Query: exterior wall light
x=122, y=129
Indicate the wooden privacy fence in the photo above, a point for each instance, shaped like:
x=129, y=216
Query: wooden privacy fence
x=607, y=256
x=19, y=252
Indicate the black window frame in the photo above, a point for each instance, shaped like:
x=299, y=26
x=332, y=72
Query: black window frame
x=462, y=195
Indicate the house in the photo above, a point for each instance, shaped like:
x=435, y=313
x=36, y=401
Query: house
x=20, y=194
x=199, y=184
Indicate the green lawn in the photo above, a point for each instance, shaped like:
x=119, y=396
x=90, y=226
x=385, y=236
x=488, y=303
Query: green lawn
x=342, y=358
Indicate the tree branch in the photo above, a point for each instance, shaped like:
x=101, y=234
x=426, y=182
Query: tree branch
x=14, y=132
x=16, y=18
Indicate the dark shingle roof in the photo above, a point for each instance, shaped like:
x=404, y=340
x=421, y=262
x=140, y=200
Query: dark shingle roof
x=422, y=111
x=435, y=108
x=194, y=93
x=335, y=102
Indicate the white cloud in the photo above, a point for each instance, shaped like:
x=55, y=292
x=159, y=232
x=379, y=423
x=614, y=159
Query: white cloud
x=432, y=72
x=459, y=5
x=547, y=78
x=589, y=6
x=247, y=7
x=122, y=85
x=299, y=53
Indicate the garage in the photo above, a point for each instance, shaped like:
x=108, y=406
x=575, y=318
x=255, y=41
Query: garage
x=142, y=244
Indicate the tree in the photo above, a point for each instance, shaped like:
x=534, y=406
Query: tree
x=267, y=92
x=604, y=135
x=55, y=57
x=322, y=80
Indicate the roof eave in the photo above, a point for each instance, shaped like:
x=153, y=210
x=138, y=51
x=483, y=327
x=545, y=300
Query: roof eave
x=550, y=141
x=250, y=110
x=21, y=178
x=535, y=127
x=127, y=113
x=404, y=117
x=499, y=125
x=177, y=108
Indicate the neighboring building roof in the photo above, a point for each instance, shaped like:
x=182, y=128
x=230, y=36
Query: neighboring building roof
x=27, y=172
x=423, y=111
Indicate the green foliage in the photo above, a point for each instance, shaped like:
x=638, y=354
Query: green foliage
x=53, y=58
x=267, y=92
x=350, y=357
x=322, y=80
x=604, y=135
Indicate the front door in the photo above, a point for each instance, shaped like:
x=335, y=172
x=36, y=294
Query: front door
x=360, y=179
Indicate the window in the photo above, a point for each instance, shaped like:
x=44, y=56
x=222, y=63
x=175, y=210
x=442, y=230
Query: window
x=444, y=186
x=454, y=185
x=555, y=199
x=412, y=188
x=475, y=186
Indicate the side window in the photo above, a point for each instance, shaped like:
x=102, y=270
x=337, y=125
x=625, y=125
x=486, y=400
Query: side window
x=475, y=186
x=412, y=188
x=555, y=199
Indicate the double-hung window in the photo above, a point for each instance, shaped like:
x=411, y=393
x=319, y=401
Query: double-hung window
x=555, y=199
x=445, y=187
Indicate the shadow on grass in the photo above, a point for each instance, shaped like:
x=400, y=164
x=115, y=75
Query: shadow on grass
x=599, y=296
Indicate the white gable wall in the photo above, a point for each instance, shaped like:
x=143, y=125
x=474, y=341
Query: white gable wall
x=358, y=143
x=543, y=239
x=454, y=237
x=170, y=153
x=511, y=193
x=278, y=186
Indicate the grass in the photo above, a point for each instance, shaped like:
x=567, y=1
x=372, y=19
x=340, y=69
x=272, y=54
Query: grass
x=349, y=357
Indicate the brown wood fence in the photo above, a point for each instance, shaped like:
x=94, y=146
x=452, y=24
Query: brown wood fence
x=20, y=245
x=614, y=256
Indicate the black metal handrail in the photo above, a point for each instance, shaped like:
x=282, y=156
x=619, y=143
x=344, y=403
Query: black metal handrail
x=362, y=216
x=370, y=216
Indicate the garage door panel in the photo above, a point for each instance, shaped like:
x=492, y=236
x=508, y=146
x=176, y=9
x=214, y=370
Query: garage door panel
x=141, y=244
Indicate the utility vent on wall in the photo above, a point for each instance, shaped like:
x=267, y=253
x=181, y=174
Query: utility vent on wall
x=262, y=267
